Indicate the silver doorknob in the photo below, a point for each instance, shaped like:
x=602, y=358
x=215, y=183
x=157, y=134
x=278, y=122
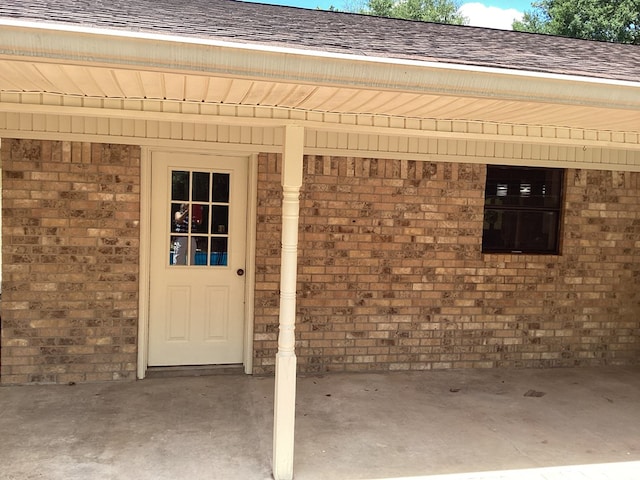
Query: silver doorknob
x=240, y=272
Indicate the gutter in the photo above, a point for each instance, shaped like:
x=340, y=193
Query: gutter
x=56, y=43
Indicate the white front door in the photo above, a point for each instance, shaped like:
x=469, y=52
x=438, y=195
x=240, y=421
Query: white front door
x=198, y=243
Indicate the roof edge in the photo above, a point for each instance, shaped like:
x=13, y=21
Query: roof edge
x=58, y=43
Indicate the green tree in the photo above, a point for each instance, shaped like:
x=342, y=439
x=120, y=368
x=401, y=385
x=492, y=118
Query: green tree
x=605, y=20
x=440, y=11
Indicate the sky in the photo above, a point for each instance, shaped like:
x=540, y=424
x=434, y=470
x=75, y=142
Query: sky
x=481, y=13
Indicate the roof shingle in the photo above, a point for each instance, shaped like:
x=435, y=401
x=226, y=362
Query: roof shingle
x=342, y=33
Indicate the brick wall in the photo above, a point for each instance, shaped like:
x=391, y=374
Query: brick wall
x=391, y=274
x=70, y=261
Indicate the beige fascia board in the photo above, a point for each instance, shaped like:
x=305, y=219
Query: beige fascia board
x=268, y=121
x=140, y=51
x=477, y=159
x=214, y=147
x=225, y=148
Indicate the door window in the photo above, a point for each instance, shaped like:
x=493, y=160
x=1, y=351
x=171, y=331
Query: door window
x=199, y=218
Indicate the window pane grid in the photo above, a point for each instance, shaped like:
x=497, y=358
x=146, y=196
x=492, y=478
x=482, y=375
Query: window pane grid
x=199, y=218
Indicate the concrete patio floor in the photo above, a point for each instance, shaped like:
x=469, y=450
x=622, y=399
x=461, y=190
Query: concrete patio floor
x=348, y=426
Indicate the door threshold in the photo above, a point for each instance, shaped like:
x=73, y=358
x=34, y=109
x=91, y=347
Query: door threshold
x=194, y=371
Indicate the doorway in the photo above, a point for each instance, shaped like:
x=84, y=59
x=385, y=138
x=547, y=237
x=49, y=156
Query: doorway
x=198, y=245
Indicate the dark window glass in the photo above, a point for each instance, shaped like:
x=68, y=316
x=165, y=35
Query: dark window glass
x=522, y=209
x=220, y=188
x=220, y=219
x=201, y=186
x=180, y=186
x=219, y=250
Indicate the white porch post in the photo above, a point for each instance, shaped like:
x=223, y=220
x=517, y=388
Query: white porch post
x=285, y=382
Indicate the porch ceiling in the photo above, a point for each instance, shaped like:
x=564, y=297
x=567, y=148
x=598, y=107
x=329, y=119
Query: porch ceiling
x=88, y=63
x=138, y=84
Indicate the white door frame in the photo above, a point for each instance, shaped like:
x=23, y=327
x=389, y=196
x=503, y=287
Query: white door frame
x=145, y=257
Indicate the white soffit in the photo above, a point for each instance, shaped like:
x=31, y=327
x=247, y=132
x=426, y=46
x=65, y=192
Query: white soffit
x=106, y=64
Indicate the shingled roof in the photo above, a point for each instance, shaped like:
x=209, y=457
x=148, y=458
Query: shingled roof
x=343, y=33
